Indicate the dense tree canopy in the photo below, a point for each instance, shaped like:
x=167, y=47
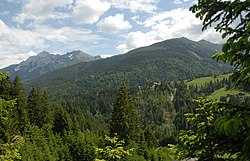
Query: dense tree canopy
x=124, y=121
x=147, y=118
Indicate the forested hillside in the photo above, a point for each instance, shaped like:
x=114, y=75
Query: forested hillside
x=147, y=118
x=175, y=59
x=168, y=60
x=164, y=102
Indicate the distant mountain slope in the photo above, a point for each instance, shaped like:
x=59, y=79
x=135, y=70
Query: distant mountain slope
x=45, y=62
x=173, y=59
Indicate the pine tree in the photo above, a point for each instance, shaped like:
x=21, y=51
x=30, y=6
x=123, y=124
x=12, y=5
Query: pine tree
x=5, y=87
x=124, y=121
x=150, y=137
x=20, y=113
x=62, y=121
x=39, y=107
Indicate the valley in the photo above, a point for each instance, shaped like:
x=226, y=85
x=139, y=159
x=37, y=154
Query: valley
x=74, y=105
x=158, y=80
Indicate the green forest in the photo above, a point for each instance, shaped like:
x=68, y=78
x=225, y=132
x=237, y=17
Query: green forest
x=123, y=114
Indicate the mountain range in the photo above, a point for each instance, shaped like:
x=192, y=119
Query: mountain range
x=174, y=59
x=45, y=62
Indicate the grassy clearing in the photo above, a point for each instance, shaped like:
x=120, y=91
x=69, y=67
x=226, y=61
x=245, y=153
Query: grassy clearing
x=203, y=80
x=224, y=92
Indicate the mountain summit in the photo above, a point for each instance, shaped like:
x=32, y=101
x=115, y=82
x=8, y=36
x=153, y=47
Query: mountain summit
x=174, y=59
x=45, y=62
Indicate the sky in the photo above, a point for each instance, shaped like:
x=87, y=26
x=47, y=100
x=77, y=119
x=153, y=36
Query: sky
x=97, y=27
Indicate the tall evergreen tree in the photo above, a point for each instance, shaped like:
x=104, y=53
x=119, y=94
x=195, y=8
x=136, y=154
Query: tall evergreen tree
x=124, y=121
x=5, y=87
x=20, y=113
x=61, y=120
x=150, y=137
x=39, y=107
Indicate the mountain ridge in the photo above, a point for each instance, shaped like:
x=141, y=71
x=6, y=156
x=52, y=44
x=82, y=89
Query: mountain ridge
x=174, y=59
x=45, y=62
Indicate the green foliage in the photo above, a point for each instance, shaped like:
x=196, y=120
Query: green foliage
x=113, y=151
x=215, y=132
x=124, y=118
x=39, y=107
x=9, y=145
x=200, y=140
x=150, y=137
x=6, y=122
x=42, y=144
x=52, y=133
x=5, y=87
x=20, y=112
x=3, y=75
x=9, y=152
x=166, y=61
x=217, y=94
x=231, y=18
x=235, y=123
x=203, y=80
x=81, y=145
x=61, y=120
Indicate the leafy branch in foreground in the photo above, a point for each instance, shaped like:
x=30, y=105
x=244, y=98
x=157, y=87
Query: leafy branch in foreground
x=113, y=151
x=215, y=132
x=232, y=19
x=9, y=145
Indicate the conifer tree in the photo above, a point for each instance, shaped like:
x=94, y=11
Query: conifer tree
x=62, y=121
x=5, y=87
x=124, y=121
x=150, y=137
x=39, y=107
x=20, y=113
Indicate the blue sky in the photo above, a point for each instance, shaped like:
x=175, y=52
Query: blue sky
x=97, y=27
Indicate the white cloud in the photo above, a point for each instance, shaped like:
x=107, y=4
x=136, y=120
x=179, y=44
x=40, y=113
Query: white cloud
x=179, y=1
x=18, y=37
x=137, y=39
x=114, y=24
x=7, y=59
x=65, y=34
x=89, y=11
x=16, y=44
x=40, y=10
x=135, y=5
x=15, y=1
x=106, y=56
x=167, y=25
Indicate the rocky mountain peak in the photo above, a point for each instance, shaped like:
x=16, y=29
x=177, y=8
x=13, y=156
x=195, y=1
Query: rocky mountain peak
x=45, y=62
x=44, y=53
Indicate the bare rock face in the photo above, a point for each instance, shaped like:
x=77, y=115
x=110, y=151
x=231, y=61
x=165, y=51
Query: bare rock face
x=45, y=62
